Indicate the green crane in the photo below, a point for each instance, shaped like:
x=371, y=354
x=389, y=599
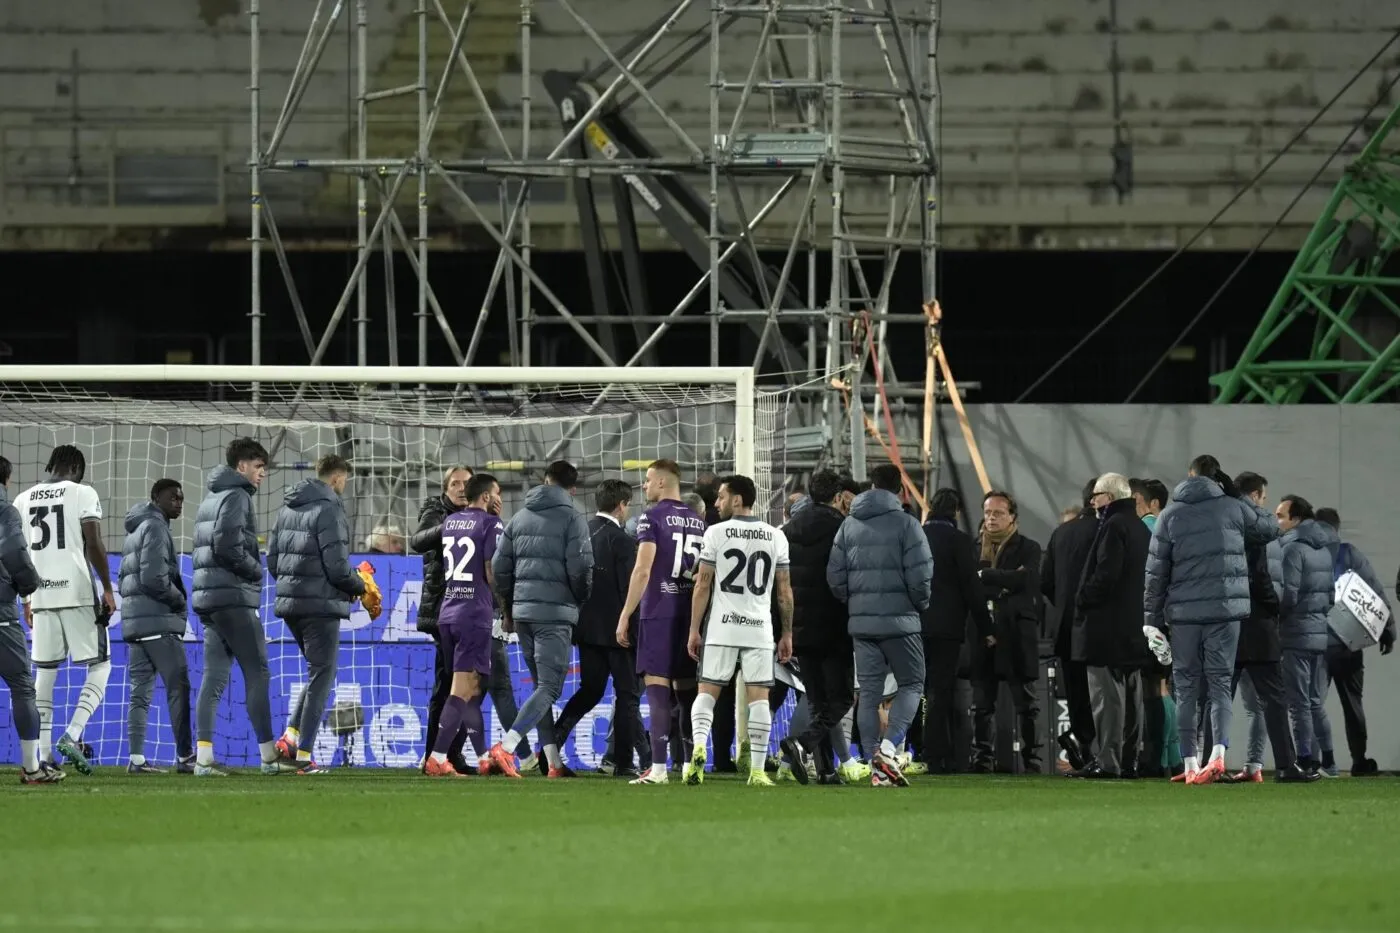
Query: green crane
x=1340, y=271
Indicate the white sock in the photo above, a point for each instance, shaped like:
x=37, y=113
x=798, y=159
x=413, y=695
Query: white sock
x=29, y=754
x=702, y=719
x=138, y=760
x=269, y=751
x=44, y=680
x=439, y=757
x=204, y=753
x=293, y=735
x=1253, y=767
x=887, y=748
x=551, y=754
x=1193, y=763
x=760, y=728
x=511, y=741
x=658, y=769
x=94, y=688
x=1217, y=753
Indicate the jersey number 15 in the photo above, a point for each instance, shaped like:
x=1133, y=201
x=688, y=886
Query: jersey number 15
x=686, y=546
x=42, y=535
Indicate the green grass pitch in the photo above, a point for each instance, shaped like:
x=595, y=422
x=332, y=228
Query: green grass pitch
x=377, y=851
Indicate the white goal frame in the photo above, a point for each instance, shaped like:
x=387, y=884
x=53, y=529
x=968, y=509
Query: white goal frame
x=740, y=377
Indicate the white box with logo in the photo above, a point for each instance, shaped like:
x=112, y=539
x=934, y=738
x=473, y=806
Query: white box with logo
x=1359, y=614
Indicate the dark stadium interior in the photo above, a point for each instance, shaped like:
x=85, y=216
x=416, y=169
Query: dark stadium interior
x=1008, y=315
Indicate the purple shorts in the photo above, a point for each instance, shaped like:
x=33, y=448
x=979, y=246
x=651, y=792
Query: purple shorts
x=661, y=649
x=468, y=647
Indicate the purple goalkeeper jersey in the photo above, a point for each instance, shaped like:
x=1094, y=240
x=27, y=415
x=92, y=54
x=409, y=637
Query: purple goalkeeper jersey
x=677, y=533
x=469, y=540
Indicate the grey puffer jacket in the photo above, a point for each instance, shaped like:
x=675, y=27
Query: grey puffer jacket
x=228, y=572
x=153, y=595
x=1197, y=572
x=18, y=578
x=308, y=554
x=544, y=563
x=881, y=567
x=1306, y=591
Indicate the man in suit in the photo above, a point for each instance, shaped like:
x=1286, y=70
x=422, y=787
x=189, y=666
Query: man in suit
x=599, y=654
x=1065, y=555
x=957, y=595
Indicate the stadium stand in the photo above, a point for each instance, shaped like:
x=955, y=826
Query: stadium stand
x=1207, y=92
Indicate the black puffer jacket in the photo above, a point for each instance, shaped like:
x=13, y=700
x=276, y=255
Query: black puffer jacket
x=428, y=542
x=819, y=619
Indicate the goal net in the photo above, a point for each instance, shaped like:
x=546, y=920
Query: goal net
x=401, y=429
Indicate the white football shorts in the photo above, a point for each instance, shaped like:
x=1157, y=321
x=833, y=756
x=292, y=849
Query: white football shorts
x=718, y=663
x=71, y=633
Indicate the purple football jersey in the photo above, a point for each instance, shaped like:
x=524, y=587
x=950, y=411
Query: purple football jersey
x=677, y=533
x=469, y=540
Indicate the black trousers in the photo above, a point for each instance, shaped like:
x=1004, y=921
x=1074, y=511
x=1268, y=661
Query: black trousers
x=1081, y=709
x=596, y=664
x=1154, y=722
x=641, y=739
x=947, y=741
x=1268, y=683
x=1347, y=669
x=829, y=676
x=985, y=687
x=442, y=688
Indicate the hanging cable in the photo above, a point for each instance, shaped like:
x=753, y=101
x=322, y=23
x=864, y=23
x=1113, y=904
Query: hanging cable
x=1209, y=224
x=1273, y=228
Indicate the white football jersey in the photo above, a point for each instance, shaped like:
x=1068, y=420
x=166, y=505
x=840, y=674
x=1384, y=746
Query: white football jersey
x=53, y=515
x=747, y=554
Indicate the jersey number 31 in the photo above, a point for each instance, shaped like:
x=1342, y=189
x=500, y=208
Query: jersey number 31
x=41, y=535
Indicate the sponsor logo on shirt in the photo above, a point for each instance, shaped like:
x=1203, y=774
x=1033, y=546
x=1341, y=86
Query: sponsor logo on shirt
x=53, y=584
x=734, y=618
x=669, y=588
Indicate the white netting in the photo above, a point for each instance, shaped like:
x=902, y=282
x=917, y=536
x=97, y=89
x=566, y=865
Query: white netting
x=399, y=441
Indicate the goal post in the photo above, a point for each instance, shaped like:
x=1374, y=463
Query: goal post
x=400, y=427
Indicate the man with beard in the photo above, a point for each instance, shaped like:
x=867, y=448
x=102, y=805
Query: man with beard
x=1198, y=589
x=1065, y=555
x=427, y=540
x=1010, y=577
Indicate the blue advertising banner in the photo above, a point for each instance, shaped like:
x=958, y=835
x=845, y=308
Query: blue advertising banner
x=379, y=709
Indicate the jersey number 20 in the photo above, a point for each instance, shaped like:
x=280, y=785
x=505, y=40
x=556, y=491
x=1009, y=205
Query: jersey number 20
x=42, y=535
x=456, y=570
x=757, y=577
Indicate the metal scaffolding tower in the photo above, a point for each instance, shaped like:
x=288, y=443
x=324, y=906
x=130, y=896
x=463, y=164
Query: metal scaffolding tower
x=790, y=120
x=1344, y=286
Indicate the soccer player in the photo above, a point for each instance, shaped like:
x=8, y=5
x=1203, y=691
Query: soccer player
x=469, y=541
x=544, y=568
x=669, y=537
x=18, y=578
x=308, y=555
x=153, y=623
x=65, y=543
x=228, y=581
x=749, y=557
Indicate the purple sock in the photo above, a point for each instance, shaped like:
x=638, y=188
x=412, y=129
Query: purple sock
x=475, y=725
x=453, y=712
x=659, y=705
